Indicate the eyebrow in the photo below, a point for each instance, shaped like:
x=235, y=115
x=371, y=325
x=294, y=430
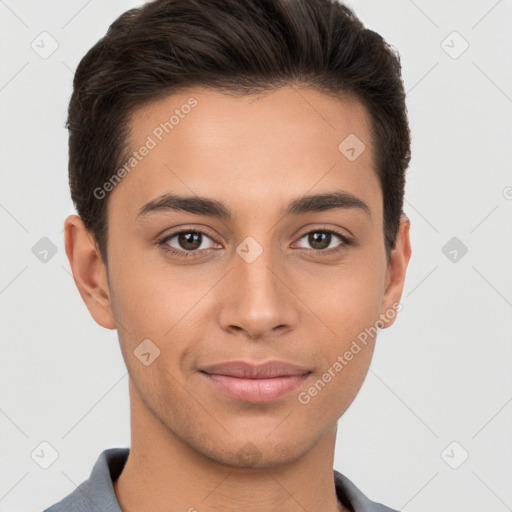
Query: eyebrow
x=339, y=199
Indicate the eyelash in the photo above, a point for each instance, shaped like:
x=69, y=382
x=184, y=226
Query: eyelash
x=187, y=254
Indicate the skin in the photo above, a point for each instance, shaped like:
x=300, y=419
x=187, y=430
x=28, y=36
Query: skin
x=293, y=303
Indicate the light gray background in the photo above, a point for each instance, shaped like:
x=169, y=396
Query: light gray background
x=442, y=373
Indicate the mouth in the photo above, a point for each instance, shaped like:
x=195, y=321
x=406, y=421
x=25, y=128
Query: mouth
x=255, y=390
x=255, y=383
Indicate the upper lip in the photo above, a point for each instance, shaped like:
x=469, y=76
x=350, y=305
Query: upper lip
x=249, y=370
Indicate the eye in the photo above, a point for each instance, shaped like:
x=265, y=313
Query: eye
x=186, y=243
x=323, y=240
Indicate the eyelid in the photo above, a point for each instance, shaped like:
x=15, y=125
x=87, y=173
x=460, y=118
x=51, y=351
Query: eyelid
x=163, y=240
x=345, y=239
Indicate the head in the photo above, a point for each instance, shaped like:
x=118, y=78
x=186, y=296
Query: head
x=240, y=109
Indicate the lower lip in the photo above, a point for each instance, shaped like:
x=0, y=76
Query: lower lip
x=256, y=390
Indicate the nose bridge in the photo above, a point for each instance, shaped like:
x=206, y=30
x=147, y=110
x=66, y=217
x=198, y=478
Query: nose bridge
x=258, y=301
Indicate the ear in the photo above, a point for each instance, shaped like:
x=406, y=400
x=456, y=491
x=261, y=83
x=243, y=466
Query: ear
x=89, y=271
x=399, y=259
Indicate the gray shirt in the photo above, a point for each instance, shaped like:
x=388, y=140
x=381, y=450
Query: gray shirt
x=97, y=493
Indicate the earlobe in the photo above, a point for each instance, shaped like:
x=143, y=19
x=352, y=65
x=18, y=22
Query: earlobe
x=89, y=272
x=399, y=260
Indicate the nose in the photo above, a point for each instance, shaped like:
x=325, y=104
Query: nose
x=258, y=298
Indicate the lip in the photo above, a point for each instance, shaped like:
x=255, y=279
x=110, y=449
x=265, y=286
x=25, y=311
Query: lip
x=256, y=390
x=256, y=382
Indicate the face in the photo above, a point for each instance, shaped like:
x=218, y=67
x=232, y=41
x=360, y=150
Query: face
x=255, y=276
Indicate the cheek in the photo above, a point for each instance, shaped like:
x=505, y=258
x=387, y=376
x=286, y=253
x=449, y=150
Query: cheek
x=348, y=312
x=331, y=393
x=348, y=300
x=153, y=299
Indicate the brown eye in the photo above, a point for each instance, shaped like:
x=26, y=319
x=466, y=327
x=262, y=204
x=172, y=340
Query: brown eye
x=321, y=240
x=189, y=241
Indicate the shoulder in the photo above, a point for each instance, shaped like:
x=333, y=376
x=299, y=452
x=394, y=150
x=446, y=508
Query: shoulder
x=78, y=500
x=353, y=498
x=97, y=492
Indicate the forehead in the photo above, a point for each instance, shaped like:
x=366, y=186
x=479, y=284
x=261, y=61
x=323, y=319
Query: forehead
x=276, y=144
x=209, y=115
